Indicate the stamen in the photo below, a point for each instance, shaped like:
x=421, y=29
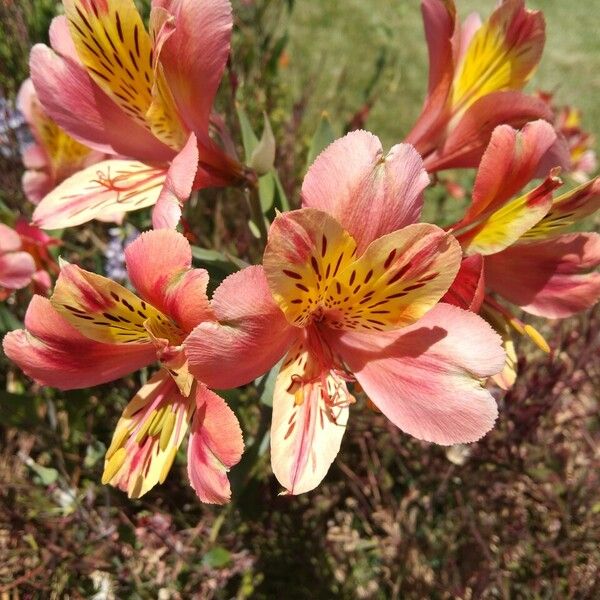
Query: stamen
x=170, y=458
x=536, y=337
x=113, y=465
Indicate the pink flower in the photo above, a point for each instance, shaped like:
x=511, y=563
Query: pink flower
x=24, y=258
x=348, y=292
x=94, y=330
x=17, y=267
x=146, y=96
x=476, y=72
x=524, y=255
x=54, y=155
x=567, y=122
x=37, y=243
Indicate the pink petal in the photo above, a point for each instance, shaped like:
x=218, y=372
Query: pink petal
x=36, y=184
x=352, y=177
x=16, y=270
x=250, y=338
x=216, y=444
x=139, y=143
x=69, y=97
x=217, y=168
x=34, y=156
x=100, y=191
x=42, y=283
x=508, y=164
x=54, y=353
x=195, y=55
x=177, y=187
x=153, y=258
x=558, y=155
x=439, y=19
x=60, y=39
x=159, y=267
x=550, y=278
x=468, y=289
x=567, y=209
x=306, y=433
x=467, y=141
x=33, y=234
x=83, y=110
x=426, y=378
x=10, y=240
x=25, y=99
x=510, y=222
x=467, y=30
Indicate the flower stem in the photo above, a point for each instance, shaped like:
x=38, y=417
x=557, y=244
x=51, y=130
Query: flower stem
x=256, y=214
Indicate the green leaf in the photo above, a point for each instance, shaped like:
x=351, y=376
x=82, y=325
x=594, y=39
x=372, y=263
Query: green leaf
x=93, y=453
x=217, y=558
x=8, y=321
x=46, y=475
x=282, y=200
x=249, y=139
x=266, y=192
x=262, y=157
x=266, y=384
x=254, y=229
x=224, y=262
x=323, y=136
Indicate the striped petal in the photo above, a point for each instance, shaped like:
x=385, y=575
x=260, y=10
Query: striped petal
x=509, y=163
x=52, y=352
x=553, y=278
x=427, y=378
x=147, y=437
x=566, y=210
x=505, y=226
x=368, y=193
x=117, y=52
x=312, y=272
x=216, y=445
x=100, y=191
x=105, y=311
x=306, y=249
x=159, y=267
x=502, y=55
x=310, y=412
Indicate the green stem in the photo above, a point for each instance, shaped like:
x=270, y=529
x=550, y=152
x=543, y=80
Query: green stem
x=256, y=214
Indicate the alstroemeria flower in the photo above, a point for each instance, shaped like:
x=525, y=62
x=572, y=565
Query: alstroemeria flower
x=94, y=330
x=567, y=122
x=524, y=256
x=476, y=72
x=54, y=155
x=147, y=96
x=348, y=293
x=37, y=243
x=17, y=266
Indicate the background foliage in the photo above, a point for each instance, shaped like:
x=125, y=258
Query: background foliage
x=514, y=516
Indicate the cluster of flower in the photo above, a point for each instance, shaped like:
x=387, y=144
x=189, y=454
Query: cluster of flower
x=354, y=296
